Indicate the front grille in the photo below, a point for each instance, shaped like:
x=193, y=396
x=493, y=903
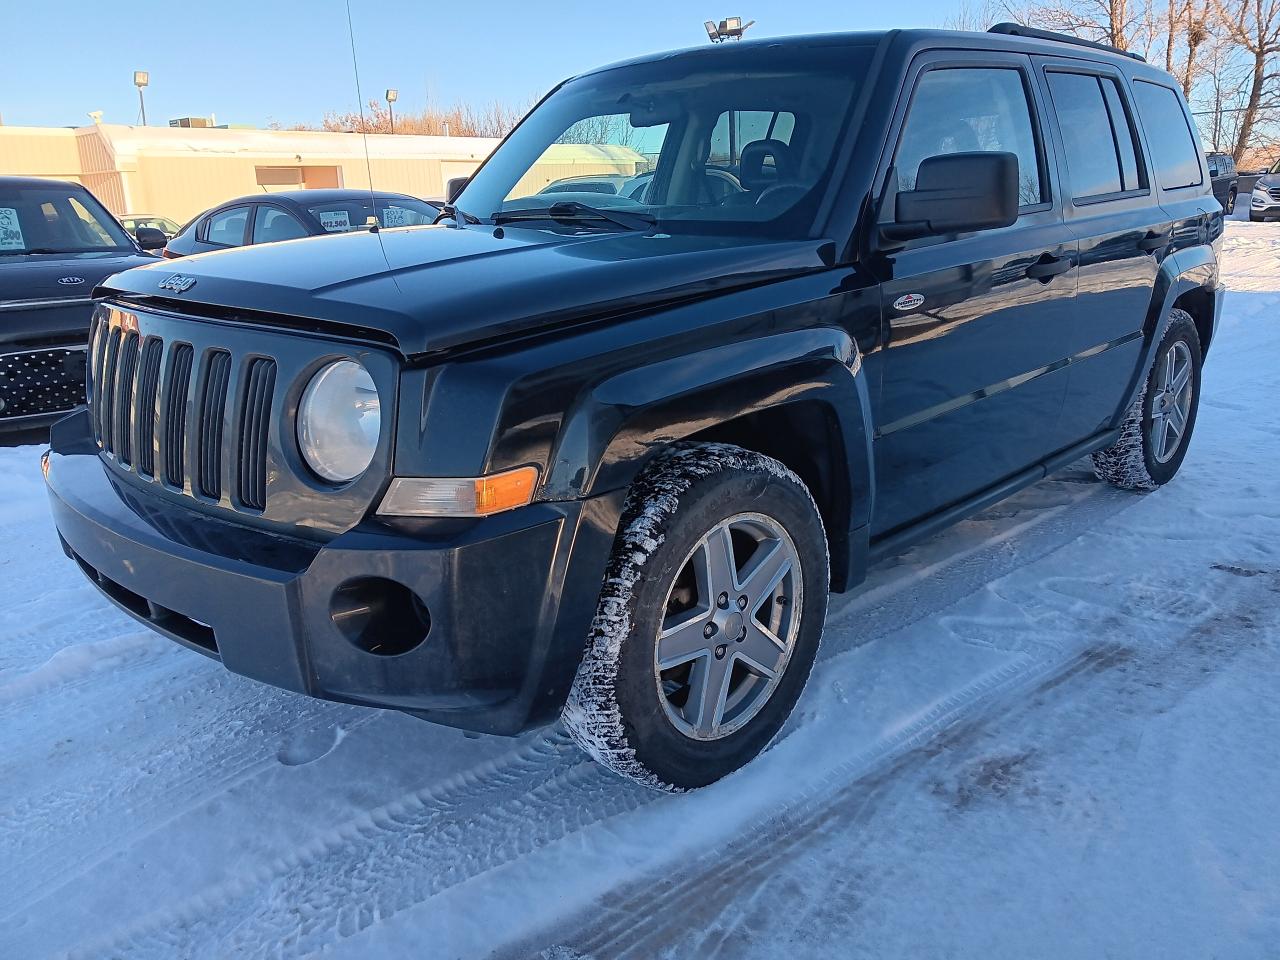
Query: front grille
x=1274, y=193
x=163, y=410
x=36, y=382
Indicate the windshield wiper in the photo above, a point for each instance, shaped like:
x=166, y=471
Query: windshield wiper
x=22, y=253
x=459, y=215
x=572, y=210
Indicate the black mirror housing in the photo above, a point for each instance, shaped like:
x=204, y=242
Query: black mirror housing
x=454, y=187
x=149, y=238
x=958, y=193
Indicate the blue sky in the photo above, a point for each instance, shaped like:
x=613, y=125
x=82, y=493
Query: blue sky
x=254, y=62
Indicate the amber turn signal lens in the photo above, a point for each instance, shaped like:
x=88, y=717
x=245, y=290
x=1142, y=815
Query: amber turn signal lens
x=462, y=497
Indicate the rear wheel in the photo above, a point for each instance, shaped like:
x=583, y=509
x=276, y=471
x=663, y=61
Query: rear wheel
x=1231, y=203
x=1153, y=439
x=709, y=621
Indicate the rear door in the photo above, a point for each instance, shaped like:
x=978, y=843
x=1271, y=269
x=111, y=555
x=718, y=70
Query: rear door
x=1112, y=211
x=973, y=379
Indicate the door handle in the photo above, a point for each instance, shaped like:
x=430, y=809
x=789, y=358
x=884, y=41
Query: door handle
x=1154, y=241
x=1048, y=267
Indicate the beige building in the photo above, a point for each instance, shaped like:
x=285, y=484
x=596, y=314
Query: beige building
x=177, y=172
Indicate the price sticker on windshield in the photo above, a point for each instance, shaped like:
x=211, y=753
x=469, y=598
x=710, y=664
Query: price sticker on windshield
x=10, y=230
x=395, y=217
x=335, y=221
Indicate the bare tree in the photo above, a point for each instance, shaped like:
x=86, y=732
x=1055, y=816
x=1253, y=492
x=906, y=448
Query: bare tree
x=1254, y=26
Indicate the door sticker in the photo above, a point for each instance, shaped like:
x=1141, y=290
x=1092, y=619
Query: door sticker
x=908, y=301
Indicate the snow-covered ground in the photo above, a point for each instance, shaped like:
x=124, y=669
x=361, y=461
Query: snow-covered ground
x=1052, y=731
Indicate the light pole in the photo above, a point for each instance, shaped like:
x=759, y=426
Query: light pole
x=140, y=79
x=392, y=96
x=730, y=28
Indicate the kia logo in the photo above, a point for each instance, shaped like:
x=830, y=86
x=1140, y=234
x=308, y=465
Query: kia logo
x=178, y=283
x=67, y=281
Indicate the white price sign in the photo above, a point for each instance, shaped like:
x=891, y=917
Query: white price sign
x=10, y=230
x=335, y=221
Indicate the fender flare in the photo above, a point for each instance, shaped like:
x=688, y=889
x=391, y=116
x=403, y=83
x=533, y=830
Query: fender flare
x=617, y=424
x=1191, y=268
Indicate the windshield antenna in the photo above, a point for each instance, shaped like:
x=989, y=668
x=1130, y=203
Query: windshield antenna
x=364, y=127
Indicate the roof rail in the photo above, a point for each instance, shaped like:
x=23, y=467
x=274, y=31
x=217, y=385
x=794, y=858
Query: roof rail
x=1018, y=30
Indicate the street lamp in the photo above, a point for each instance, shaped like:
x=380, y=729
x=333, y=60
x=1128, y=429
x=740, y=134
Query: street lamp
x=141, y=78
x=392, y=96
x=730, y=28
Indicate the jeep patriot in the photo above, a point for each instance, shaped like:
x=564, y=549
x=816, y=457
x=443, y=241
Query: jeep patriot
x=602, y=454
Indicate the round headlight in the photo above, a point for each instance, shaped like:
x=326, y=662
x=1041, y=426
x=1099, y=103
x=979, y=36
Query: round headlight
x=339, y=420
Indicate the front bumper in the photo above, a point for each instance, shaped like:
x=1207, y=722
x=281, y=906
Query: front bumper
x=1262, y=204
x=509, y=598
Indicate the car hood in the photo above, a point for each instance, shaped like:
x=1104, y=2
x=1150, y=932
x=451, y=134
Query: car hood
x=435, y=288
x=37, y=276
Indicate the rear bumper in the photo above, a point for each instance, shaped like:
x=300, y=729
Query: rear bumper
x=509, y=598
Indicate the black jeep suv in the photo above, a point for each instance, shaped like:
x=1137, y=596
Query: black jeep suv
x=604, y=457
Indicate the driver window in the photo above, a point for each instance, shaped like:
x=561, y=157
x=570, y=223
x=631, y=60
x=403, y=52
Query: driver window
x=971, y=109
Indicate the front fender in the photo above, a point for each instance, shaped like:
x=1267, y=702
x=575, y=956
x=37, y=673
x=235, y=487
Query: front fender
x=616, y=425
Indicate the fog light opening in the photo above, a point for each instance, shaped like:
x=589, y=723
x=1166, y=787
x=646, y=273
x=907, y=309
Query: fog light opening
x=380, y=616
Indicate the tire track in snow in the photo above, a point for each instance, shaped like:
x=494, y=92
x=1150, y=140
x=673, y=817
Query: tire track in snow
x=389, y=859
x=655, y=915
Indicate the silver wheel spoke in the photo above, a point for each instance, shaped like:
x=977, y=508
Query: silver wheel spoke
x=721, y=568
x=761, y=650
x=1177, y=420
x=709, y=688
x=771, y=562
x=1182, y=379
x=682, y=639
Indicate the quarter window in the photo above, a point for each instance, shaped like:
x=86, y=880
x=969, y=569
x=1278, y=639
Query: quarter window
x=964, y=109
x=1173, y=147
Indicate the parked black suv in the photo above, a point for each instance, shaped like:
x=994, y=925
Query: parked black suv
x=1226, y=182
x=56, y=244
x=602, y=457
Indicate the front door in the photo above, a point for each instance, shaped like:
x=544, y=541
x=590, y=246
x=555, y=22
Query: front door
x=973, y=372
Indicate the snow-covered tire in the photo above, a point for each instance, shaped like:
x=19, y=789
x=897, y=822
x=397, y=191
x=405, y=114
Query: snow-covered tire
x=1136, y=460
x=625, y=709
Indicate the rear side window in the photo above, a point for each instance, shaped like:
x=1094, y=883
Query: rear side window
x=1173, y=148
x=1102, y=155
x=965, y=109
x=227, y=227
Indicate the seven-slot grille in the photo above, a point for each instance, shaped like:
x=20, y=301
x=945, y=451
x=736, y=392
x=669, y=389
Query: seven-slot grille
x=166, y=408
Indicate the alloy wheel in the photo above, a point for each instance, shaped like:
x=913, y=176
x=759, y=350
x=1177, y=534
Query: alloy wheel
x=1171, y=401
x=731, y=619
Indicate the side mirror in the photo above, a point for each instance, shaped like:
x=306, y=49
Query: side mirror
x=957, y=193
x=454, y=187
x=149, y=238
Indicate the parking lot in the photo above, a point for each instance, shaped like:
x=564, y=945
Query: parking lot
x=1052, y=724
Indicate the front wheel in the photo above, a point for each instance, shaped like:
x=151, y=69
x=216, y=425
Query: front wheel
x=709, y=620
x=1231, y=203
x=1157, y=429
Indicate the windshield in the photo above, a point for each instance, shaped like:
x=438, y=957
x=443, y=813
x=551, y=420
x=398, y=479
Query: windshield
x=1274, y=168
x=731, y=141
x=45, y=218
x=352, y=213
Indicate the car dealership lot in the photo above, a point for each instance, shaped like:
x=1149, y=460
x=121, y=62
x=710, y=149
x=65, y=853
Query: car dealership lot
x=1051, y=726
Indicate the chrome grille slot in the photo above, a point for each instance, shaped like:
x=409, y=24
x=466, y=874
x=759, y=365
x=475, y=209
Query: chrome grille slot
x=107, y=392
x=1275, y=193
x=255, y=421
x=123, y=407
x=174, y=421
x=145, y=413
x=212, y=408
